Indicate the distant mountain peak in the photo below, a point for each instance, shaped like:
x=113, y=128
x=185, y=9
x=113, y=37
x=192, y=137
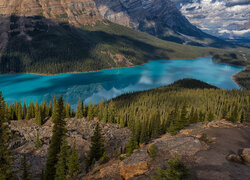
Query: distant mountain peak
x=160, y=18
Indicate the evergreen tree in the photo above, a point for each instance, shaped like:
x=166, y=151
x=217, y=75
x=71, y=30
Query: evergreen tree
x=38, y=142
x=132, y=144
x=24, y=110
x=85, y=111
x=38, y=117
x=155, y=124
x=97, y=147
x=111, y=112
x=79, y=109
x=25, y=169
x=183, y=119
x=6, y=156
x=74, y=166
x=235, y=114
x=54, y=107
x=62, y=163
x=101, y=109
x=19, y=111
x=67, y=110
x=91, y=111
x=59, y=132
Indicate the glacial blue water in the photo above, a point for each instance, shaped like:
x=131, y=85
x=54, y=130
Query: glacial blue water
x=110, y=83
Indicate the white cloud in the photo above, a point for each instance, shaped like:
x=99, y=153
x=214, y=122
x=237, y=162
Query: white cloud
x=241, y=33
x=212, y=16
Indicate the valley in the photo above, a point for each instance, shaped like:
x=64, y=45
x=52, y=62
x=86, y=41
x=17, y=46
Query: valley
x=124, y=90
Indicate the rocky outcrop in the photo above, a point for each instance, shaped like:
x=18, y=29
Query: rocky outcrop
x=205, y=159
x=136, y=164
x=79, y=130
x=245, y=154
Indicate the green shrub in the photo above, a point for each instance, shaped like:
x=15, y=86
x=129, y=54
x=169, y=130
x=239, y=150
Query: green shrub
x=152, y=151
x=104, y=158
x=176, y=171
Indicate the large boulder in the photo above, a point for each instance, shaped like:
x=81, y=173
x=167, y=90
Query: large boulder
x=245, y=154
x=136, y=164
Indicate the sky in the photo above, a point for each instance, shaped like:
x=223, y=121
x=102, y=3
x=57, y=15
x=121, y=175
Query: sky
x=223, y=18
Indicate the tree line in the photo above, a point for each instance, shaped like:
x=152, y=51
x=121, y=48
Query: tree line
x=147, y=114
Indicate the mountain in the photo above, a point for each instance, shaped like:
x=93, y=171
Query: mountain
x=72, y=36
x=160, y=18
x=222, y=18
x=75, y=12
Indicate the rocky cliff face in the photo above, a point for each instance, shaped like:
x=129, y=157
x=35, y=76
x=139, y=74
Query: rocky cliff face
x=152, y=16
x=160, y=18
x=76, y=12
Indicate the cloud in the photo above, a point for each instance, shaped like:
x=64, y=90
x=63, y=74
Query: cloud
x=215, y=15
x=241, y=32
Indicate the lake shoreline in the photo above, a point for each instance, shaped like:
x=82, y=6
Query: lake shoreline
x=233, y=78
x=76, y=72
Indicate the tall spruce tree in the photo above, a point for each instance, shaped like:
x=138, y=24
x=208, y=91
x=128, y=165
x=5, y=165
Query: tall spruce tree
x=6, y=160
x=62, y=163
x=97, y=147
x=79, y=109
x=132, y=144
x=25, y=169
x=67, y=110
x=74, y=166
x=38, y=142
x=91, y=112
x=38, y=116
x=59, y=132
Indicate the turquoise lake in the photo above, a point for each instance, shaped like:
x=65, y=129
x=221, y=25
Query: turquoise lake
x=110, y=83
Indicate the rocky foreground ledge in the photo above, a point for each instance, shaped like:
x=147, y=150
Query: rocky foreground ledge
x=79, y=130
x=205, y=148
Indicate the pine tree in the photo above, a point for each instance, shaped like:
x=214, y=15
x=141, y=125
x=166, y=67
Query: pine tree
x=74, y=166
x=105, y=115
x=132, y=144
x=62, y=163
x=155, y=124
x=67, y=110
x=19, y=111
x=24, y=110
x=59, y=132
x=97, y=147
x=111, y=112
x=183, y=119
x=79, y=109
x=6, y=156
x=54, y=107
x=38, y=117
x=25, y=169
x=90, y=111
x=38, y=142
x=101, y=109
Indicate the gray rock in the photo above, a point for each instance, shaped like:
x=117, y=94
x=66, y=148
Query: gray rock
x=245, y=154
x=234, y=158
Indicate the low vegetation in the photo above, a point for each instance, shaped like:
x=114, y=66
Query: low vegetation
x=176, y=171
